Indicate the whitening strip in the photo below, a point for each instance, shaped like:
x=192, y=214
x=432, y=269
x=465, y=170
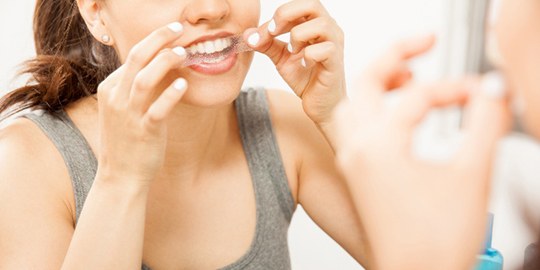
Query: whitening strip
x=197, y=54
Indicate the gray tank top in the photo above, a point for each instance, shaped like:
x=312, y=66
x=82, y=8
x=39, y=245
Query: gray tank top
x=275, y=204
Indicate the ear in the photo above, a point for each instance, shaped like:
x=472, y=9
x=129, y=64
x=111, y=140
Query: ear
x=90, y=11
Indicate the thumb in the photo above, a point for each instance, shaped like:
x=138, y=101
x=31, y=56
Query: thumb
x=390, y=70
x=487, y=121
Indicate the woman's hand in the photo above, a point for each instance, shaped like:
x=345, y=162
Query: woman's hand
x=133, y=105
x=418, y=214
x=312, y=64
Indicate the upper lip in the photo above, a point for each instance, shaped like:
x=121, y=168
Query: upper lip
x=209, y=37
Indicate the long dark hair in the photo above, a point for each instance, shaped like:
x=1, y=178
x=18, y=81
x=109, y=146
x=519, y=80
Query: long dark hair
x=69, y=65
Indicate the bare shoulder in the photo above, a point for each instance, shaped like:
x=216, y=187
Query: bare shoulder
x=31, y=167
x=36, y=222
x=320, y=189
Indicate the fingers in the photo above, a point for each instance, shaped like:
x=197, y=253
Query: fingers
x=419, y=100
x=308, y=23
x=487, y=121
x=315, y=31
x=165, y=103
x=148, y=80
x=261, y=41
x=324, y=54
x=109, y=83
x=293, y=13
x=390, y=70
x=412, y=47
x=142, y=53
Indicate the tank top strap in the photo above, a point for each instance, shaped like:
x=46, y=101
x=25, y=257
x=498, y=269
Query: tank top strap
x=262, y=152
x=75, y=150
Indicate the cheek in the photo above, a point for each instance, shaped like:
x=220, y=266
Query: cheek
x=506, y=30
x=517, y=34
x=134, y=20
x=518, y=40
x=246, y=12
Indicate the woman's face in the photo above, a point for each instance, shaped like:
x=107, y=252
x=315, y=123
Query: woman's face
x=517, y=32
x=130, y=21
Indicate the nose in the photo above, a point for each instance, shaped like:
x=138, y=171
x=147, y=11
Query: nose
x=207, y=11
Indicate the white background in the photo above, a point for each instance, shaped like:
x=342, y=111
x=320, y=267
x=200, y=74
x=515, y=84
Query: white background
x=369, y=25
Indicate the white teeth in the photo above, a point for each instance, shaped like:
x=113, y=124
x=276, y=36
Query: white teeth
x=219, y=45
x=200, y=48
x=209, y=47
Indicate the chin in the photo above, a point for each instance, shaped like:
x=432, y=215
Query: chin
x=209, y=94
x=216, y=90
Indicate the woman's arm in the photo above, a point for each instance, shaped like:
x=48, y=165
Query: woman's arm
x=132, y=114
x=132, y=123
x=110, y=230
x=36, y=211
x=318, y=186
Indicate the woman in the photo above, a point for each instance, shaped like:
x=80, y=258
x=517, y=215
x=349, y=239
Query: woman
x=427, y=215
x=138, y=159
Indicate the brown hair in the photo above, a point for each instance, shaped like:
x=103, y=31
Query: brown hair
x=69, y=65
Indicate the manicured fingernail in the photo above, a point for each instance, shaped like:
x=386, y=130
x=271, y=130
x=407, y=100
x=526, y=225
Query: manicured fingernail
x=303, y=62
x=176, y=27
x=290, y=48
x=180, y=51
x=272, y=26
x=180, y=84
x=254, y=39
x=494, y=85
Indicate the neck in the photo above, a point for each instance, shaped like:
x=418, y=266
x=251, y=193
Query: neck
x=197, y=138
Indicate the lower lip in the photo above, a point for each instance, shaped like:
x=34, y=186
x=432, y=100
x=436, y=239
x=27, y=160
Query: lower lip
x=217, y=68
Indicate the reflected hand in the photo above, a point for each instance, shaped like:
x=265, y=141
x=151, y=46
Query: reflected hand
x=418, y=214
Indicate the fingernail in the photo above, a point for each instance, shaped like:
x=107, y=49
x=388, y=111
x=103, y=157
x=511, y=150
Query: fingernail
x=176, y=27
x=180, y=51
x=180, y=84
x=272, y=26
x=303, y=62
x=290, y=48
x=254, y=39
x=494, y=85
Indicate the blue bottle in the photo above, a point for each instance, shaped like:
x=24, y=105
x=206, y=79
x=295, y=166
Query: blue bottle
x=491, y=259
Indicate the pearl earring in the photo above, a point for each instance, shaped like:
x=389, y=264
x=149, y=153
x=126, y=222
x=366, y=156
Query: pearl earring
x=106, y=39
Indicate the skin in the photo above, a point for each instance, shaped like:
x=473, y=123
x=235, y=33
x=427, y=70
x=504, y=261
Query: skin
x=520, y=60
x=413, y=205
x=166, y=154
